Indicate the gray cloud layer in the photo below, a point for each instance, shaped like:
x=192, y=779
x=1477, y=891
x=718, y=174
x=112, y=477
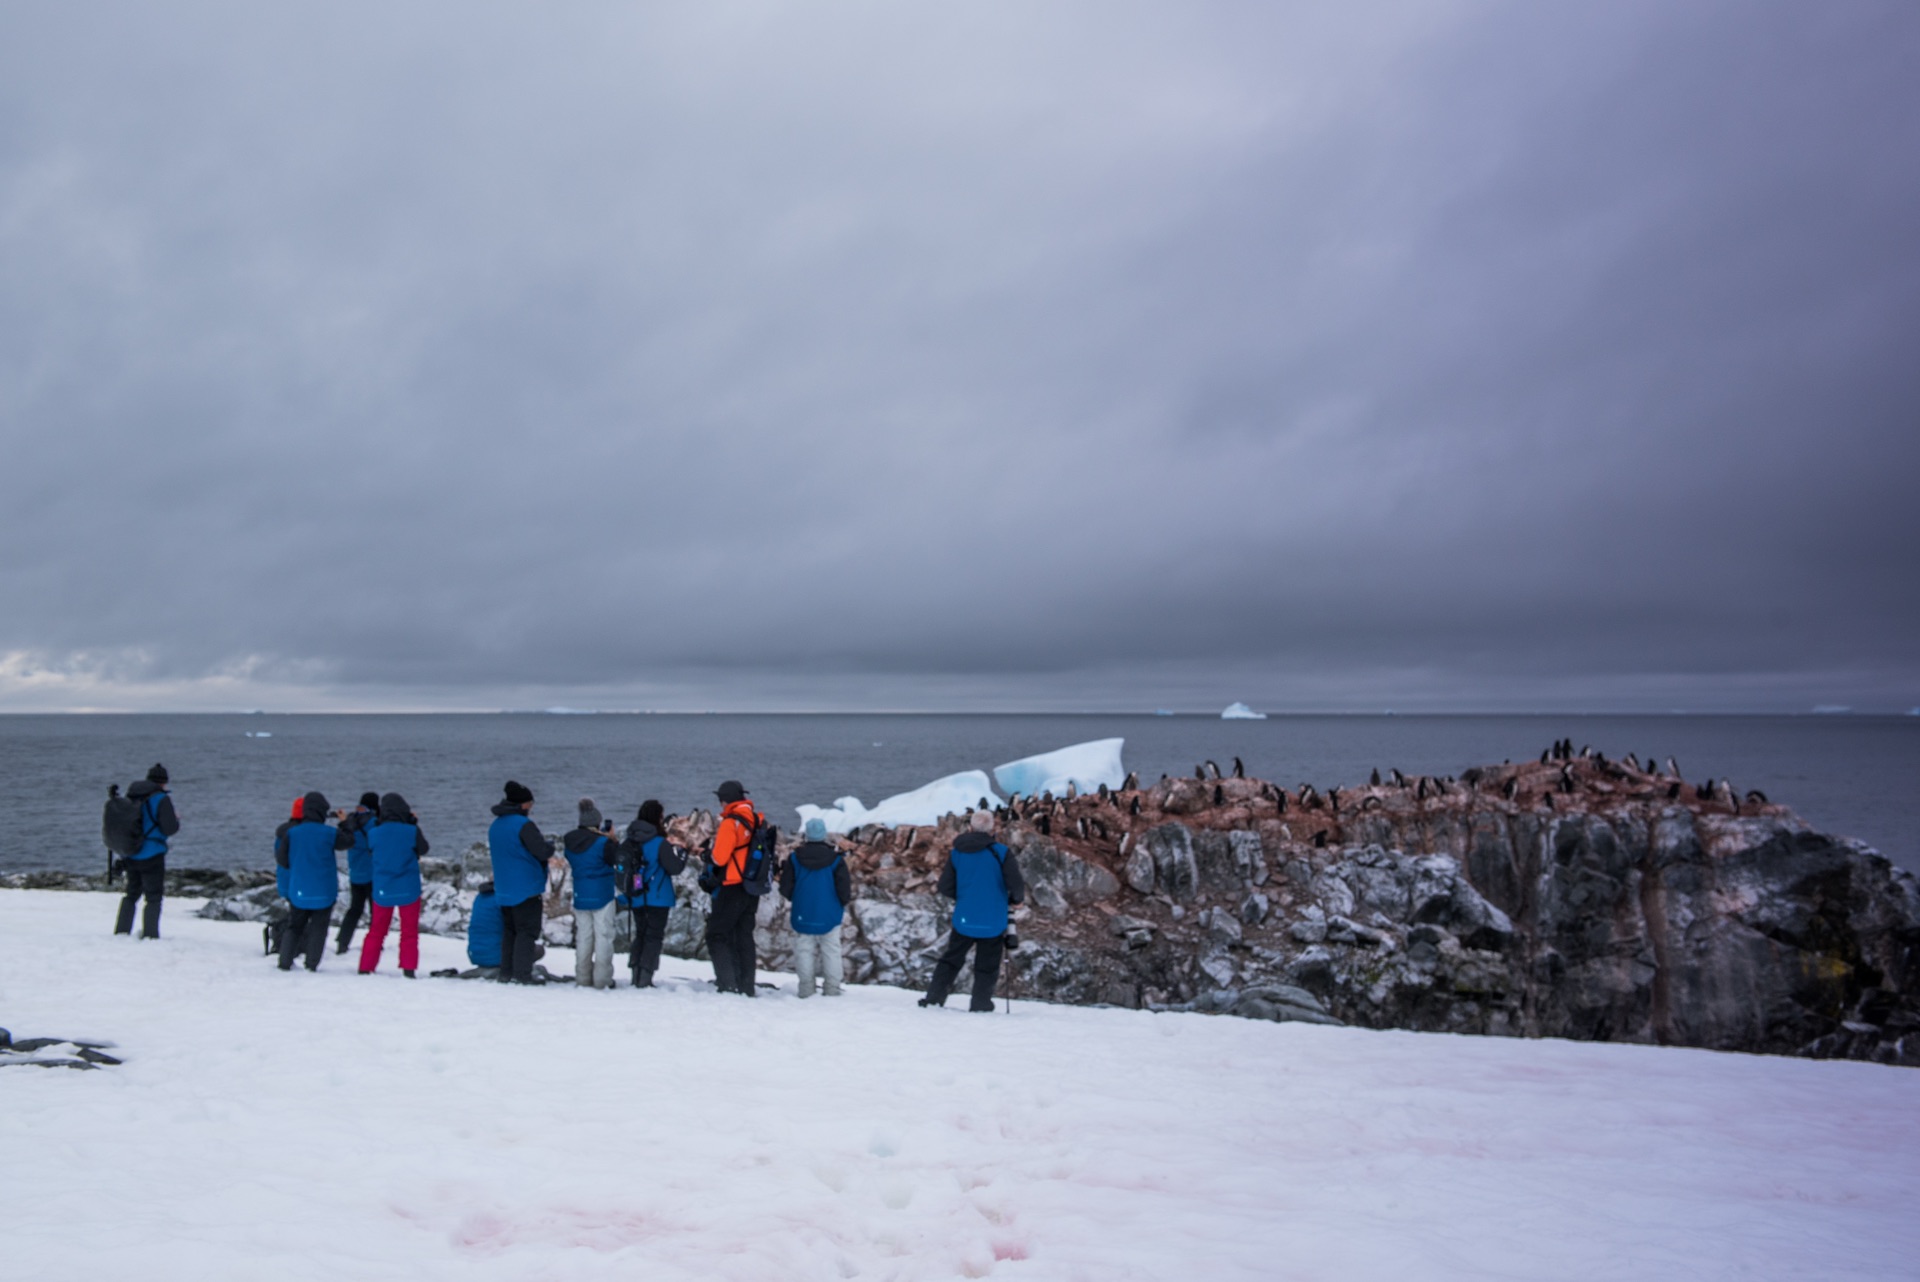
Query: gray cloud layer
x=1479, y=355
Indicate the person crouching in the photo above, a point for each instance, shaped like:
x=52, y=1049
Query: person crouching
x=982, y=877
x=397, y=844
x=815, y=878
x=589, y=848
x=304, y=849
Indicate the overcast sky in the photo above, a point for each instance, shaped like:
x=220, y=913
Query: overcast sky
x=1107, y=355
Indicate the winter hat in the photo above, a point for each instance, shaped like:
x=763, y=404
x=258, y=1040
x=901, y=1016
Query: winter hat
x=157, y=773
x=371, y=800
x=518, y=794
x=589, y=813
x=981, y=821
x=651, y=812
x=816, y=829
x=730, y=791
x=299, y=807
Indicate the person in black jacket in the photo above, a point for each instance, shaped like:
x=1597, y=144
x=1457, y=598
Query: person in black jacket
x=649, y=863
x=147, y=868
x=983, y=879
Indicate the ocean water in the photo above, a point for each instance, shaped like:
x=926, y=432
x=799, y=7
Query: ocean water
x=235, y=776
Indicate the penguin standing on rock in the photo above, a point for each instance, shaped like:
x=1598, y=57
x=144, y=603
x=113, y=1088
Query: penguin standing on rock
x=1375, y=780
x=1239, y=771
x=1213, y=768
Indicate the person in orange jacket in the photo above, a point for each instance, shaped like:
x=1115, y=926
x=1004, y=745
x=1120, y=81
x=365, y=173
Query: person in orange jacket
x=730, y=920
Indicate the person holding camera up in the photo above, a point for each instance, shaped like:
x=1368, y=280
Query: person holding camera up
x=815, y=878
x=520, y=859
x=730, y=923
x=305, y=848
x=359, y=823
x=146, y=867
x=650, y=863
x=982, y=877
x=397, y=845
x=588, y=849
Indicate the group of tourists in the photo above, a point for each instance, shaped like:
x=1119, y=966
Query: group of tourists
x=631, y=873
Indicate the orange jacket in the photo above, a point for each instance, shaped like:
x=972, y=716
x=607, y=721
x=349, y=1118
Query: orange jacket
x=730, y=841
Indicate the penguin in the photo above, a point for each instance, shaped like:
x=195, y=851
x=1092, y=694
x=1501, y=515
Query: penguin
x=983, y=805
x=1511, y=786
x=1566, y=780
x=1134, y=807
x=1375, y=781
x=1333, y=799
x=1046, y=826
x=1099, y=828
x=1673, y=791
x=1080, y=826
x=1282, y=799
x=1673, y=768
x=1632, y=762
x=1585, y=750
x=1239, y=771
x=1073, y=790
x=1399, y=780
x=1213, y=769
x=1756, y=797
x=1420, y=789
x=1200, y=772
x=1703, y=791
x=1132, y=783
x=1549, y=753
x=1371, y=803
x=1219, y=795
x=1103, y=792
x=1320, y=839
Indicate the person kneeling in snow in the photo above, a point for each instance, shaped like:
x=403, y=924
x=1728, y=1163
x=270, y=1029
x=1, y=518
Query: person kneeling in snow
x=398, y=844
x=483, y=935
x=815, y=878
x=589, y=849
x=982, y=878
x=303, y=849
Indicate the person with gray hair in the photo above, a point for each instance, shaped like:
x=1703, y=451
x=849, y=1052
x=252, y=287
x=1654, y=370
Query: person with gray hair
x=816, y=880
x=983, y=879
x=589, y=849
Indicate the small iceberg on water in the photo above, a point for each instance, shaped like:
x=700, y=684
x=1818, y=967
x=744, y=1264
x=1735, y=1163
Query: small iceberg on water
x=1241, y=712
x=1084, y=765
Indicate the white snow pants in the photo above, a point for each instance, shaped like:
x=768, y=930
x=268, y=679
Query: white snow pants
x=818, y=954
x=593, y=945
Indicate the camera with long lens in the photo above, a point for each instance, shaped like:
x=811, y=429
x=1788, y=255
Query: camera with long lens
x=1012, y=941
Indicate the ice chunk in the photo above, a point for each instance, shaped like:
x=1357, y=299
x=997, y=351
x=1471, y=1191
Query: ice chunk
x=1085, y=765
x=1241, y=712
x=955, y=794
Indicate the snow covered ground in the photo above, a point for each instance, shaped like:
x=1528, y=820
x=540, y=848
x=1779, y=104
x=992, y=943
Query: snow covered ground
x=331, y=1126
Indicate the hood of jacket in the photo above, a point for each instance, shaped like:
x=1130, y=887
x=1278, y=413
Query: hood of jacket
x=394, y=809
x=971, y=841
x=580, y=840
x=313, y=808
x=814, y=855
x=143, y=789
x=502, y=809
x=640, y=832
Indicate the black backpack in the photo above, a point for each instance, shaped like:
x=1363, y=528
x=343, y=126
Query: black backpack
x=762, y=863
x=123, y=823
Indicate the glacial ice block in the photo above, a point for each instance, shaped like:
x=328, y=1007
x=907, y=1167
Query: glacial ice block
x=1241, y=712
x=1085, y=765
x=952, y=795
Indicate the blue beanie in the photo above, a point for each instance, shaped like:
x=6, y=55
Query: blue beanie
x=816, y=829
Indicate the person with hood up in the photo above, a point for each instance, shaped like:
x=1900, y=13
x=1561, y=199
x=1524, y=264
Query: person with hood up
x=359, y=823
x=147, y=868
x=589, y=849
x=815, y=878
x=730, y=923
x=982, y=877
x=397, y=845
x=520, y=859
x=304, y=849
x=651, y=863
x=483, y=935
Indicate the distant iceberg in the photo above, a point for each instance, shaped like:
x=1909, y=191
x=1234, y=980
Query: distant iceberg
x=259, y=734
x=955, y=794
x=1241, y=712
x=1084, y=765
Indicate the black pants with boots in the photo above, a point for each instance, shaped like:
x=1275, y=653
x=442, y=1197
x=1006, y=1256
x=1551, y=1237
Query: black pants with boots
x=519, y=937
x=360, y=892
x=305, y=932
x=730, y=940
x=986, y=969
x=144, y=877
x=649, y=932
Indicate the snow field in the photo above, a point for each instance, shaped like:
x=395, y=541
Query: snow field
x=336, y=1126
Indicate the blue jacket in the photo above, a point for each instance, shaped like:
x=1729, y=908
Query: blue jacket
x=360, y=854
x=817, y=907
x=483, y=931
x=157, y=819
x=520, y=856
x=587, y=851
x=313, y=875
x=397, y=844
x=657, y=862
x=983, y=878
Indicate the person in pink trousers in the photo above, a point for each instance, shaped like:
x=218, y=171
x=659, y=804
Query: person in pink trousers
x=397, y=844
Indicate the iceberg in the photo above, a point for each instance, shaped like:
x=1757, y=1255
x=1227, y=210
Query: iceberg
x=1241, y=712
x=1085, y=765
x=951, y=795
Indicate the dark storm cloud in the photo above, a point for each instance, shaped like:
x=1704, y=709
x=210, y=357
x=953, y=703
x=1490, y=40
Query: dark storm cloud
x=1444, y=356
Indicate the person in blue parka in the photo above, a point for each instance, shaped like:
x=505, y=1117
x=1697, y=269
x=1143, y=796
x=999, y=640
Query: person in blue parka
x=982, y=877
x=305, y=849
x=398, y=845
x=815, y=878
x=359, y=821
x=147, y=868
x=483, y=934
x=589, y=849
x=649, y=863
x=520, y=859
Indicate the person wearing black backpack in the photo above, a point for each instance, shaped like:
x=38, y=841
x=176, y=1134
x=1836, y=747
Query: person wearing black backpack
x=147, y=867
x=816, y=880
x=305, y=848
x=359, y=822
x=982, y=877
x=648, y=865
x=730, y=921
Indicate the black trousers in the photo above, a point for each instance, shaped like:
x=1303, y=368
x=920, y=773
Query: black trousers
x=519, y=937
x=649, y=932
x=144, y=877
x=305, y=932
x=730, y=940
x=361, y=892
x=986, y=968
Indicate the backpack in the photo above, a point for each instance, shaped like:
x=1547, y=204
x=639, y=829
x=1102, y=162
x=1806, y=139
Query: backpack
x=757, y=872
x=123, y=823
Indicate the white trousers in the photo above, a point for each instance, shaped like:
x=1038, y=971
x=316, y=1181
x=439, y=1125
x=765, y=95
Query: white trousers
x=593, y=945
x=818, y=954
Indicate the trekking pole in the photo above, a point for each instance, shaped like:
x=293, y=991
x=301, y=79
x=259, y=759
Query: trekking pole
x=1013, y=948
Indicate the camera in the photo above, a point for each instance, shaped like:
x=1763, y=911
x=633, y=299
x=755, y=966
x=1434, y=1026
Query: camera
x=1013, y=941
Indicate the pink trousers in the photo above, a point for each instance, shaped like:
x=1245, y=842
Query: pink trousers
x=377, y=936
